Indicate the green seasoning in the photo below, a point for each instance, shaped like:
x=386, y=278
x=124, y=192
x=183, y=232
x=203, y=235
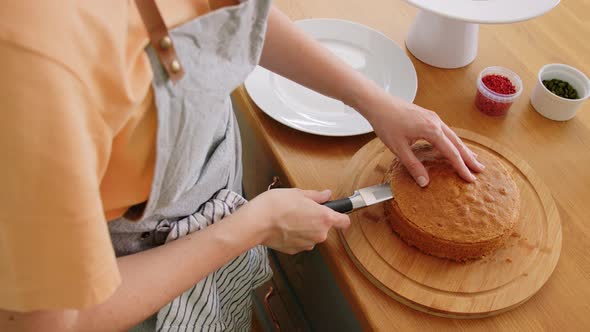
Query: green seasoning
x=561, y=88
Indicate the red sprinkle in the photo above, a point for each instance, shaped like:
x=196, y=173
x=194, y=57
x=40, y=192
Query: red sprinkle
x=499, y=84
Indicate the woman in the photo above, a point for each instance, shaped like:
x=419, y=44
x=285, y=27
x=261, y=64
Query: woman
x=108, y=116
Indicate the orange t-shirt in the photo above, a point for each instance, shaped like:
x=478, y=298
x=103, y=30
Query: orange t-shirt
x=77, y=140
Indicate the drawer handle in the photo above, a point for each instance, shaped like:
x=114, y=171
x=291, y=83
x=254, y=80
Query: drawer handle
x=273, y=317
x=276, y=183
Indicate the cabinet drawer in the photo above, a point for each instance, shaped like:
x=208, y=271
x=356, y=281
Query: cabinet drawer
x=277, y=303
x=323, y=304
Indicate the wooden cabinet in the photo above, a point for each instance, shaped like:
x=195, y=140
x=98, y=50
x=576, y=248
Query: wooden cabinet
x=321, y=300
x=276, y=306
x=305, y=295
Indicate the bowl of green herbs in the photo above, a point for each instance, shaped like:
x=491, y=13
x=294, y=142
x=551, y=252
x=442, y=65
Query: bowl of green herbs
x=560, y=91
x=561, y=88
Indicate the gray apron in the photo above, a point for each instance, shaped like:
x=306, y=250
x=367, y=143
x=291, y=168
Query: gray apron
x=198, y=175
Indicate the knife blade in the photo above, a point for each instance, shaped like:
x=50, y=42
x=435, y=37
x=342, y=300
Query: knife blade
x=362, y=198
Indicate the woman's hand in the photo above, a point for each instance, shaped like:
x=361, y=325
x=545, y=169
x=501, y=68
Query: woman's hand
x=294, y=219
x=400, y=124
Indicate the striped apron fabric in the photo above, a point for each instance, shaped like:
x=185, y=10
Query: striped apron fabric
x=198, y=174
x=222, y=301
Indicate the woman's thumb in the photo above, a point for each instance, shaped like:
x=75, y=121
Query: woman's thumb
x=318, y=196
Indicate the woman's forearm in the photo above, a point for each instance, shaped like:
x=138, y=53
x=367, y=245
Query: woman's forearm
x=151, y=279
x=289, y=52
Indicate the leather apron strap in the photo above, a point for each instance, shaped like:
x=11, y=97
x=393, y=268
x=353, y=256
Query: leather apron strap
x=160, y=39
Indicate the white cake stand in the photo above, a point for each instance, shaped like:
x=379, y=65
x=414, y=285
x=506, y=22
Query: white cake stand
x=445, y=33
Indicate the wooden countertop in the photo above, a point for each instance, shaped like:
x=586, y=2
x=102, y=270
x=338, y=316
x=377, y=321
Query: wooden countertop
x=558, y=152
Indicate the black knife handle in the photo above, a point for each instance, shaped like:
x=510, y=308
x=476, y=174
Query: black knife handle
x=343, y=205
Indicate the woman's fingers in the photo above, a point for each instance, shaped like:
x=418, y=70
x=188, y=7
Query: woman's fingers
x=331, y=217
x=449, y=151
x=469, y=158
x=298, y=221
x=340, y=220
x=327, y=220
x=413, y=165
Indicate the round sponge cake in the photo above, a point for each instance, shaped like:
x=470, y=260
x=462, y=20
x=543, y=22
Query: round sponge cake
x=451, y=218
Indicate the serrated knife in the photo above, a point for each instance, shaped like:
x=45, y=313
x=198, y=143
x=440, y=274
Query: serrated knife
x=362, y=198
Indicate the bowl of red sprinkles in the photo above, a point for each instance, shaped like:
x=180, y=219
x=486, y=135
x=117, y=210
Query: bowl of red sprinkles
x=497, y=89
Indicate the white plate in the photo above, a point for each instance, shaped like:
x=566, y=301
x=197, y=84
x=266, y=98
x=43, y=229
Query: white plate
x=365, y=49
x=487, y=11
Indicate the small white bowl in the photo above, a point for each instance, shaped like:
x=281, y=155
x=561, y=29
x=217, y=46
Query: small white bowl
x=553, y=106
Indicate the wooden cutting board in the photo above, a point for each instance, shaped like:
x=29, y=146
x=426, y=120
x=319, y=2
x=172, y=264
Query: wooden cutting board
x=479, y=288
